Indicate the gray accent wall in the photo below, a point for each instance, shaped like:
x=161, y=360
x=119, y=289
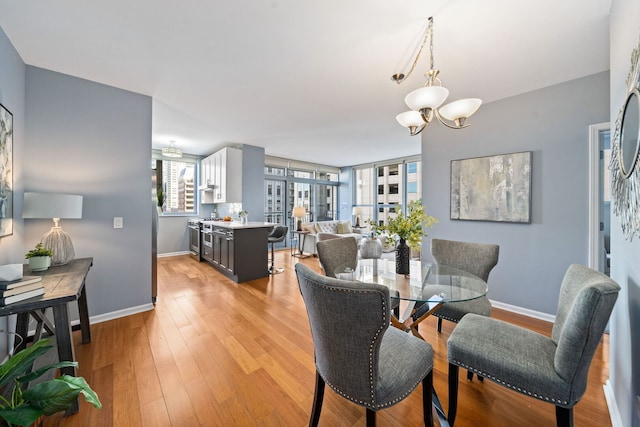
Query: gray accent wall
x=625, y=255
x=552, y=123
x=94, y=140
x=12, y=93
x=253, y=182
x=12, y=88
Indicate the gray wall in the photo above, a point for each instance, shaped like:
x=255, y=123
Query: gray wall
x=625, y=268
x=12, y=87
x=253, y=182
x=553, y=124
x=90, y=139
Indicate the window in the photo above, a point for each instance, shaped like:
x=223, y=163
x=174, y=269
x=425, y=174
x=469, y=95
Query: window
x=176, y=185
x=378, y=190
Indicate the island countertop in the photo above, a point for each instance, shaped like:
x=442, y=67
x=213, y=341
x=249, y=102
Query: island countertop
x=237, y=225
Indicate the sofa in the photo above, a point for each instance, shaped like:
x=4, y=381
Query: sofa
x=325, y=230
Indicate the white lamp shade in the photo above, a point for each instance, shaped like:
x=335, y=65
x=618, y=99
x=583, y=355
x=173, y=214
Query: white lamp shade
x=298, y=212
x=426, y=97
x=410, y=118
x=459, y=109
x=356, y=210
x=51, y=205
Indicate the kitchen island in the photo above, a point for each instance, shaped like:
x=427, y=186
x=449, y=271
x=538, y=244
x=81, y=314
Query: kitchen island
x=239, y=251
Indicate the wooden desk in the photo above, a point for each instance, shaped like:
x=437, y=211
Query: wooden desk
x=62, y=284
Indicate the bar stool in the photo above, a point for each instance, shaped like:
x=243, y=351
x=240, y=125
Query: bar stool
x=278, y=234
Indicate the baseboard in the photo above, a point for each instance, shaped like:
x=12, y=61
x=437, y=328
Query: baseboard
x=614, y=414
x=167, y=254
x=116, y=314
x=524, y=311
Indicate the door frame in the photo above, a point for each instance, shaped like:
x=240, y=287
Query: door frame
x=595, y=241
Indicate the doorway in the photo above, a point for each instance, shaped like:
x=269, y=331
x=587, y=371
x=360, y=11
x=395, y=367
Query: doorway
x=599, y=197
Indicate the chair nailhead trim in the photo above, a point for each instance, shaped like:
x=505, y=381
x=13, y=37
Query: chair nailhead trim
x=512, y=387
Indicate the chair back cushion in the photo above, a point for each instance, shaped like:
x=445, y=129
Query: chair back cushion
x=348, y=320
x=585, y=303
x=475, y=258
x=335, y=252
x=278, y=233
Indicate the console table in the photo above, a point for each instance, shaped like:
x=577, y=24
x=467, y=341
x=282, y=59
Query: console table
x=62, y=284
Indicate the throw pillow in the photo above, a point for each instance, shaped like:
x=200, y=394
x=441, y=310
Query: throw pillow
x=344, y=227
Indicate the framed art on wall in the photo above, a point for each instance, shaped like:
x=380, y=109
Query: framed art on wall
x=492, y=188
x=6, y=172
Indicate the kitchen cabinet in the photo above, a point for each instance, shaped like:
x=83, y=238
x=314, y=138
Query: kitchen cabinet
x=221, y=177
x=240, y=252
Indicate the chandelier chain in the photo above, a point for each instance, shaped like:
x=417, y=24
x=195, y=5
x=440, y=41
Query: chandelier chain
x=428, y=34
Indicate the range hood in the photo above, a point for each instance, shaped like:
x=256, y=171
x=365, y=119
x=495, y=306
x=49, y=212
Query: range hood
x=208, y=187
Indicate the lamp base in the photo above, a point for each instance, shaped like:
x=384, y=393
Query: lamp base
x=60, y=244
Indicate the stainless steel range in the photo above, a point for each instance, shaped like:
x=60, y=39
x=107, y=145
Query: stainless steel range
x=194, y=225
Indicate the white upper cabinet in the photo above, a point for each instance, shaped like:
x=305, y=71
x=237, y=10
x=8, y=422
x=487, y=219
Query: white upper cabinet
x=222, y=177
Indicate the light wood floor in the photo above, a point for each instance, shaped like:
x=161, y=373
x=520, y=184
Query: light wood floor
x=217, y=353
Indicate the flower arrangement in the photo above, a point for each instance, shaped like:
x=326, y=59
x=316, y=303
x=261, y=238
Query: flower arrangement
x=409, y=227
x=243, y=214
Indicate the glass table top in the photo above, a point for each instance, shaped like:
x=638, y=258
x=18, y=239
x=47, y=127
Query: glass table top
x=426, y=282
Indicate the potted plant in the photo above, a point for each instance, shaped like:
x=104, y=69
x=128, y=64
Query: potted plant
x=39, y=258
x=406, y=230
x=243, y=216
x=24, y=406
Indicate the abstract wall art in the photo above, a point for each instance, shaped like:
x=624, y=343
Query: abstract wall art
x=492, y=188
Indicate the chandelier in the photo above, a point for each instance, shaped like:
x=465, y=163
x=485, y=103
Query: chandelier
x=425, y=102
x=172, y=151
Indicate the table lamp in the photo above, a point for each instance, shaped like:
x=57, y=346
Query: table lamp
x=298, y=213
x=54, y=206
x=357, y=211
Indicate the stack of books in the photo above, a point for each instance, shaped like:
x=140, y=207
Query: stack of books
x=21, y=289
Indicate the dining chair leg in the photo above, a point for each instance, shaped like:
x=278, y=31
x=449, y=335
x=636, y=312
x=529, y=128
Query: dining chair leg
x=564, y=417
x=427, y=399
x=317, y=401
x=453, y=393
x=439, y=324
x=371, y=418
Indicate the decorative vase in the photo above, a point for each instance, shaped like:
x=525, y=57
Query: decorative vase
x=403, y=253
x=371, y=248
x=39, y=263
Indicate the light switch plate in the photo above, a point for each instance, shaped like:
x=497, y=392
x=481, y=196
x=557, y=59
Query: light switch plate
x=117, y=222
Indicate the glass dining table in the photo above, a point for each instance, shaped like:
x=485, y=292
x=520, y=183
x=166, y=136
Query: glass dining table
x=430, y=284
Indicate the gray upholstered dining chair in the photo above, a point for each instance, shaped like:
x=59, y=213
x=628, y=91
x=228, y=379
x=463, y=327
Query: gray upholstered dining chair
x=335, y=252
x=553, y=369
x=475, y=258
x=343, y=251
x=372, y=365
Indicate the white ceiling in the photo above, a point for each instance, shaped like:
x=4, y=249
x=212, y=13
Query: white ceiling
x=306, y=79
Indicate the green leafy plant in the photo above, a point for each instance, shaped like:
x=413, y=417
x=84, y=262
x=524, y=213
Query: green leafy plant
x=243, y=214
x=38, y=251
x=25, y=406
x=409, y=227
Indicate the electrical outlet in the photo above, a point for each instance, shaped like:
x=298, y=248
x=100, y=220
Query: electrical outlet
x=117, y=222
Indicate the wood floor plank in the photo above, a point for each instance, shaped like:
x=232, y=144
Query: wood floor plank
x=217, y=353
